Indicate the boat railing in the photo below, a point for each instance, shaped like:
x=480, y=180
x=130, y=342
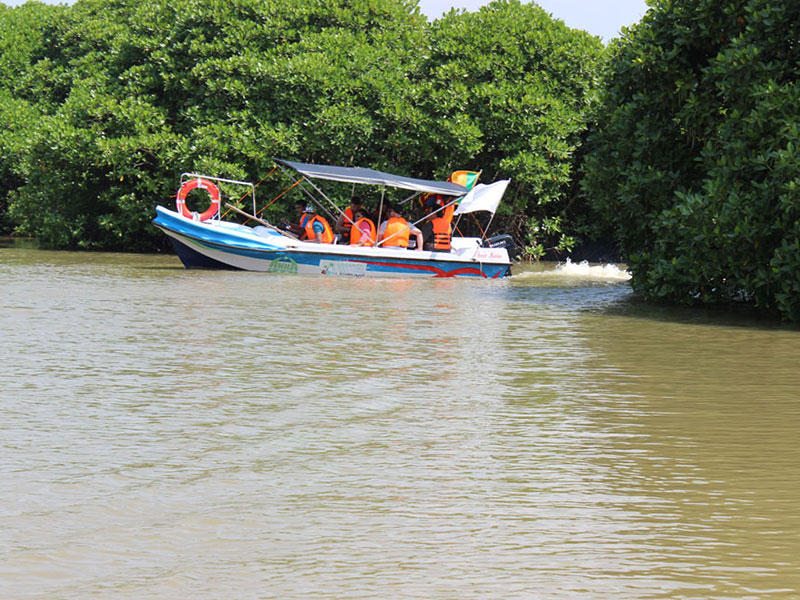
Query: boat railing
x=187, y=176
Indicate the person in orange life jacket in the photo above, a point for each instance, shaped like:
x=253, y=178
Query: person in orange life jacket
x=363, y=232
x=436, y=231
x=315, y=228
x=295, y=228
x=396, y=230
x=346, y=219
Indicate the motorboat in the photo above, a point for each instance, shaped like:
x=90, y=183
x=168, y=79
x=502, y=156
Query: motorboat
x=207, y=240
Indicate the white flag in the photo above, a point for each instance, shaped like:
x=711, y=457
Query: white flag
x=483, y=197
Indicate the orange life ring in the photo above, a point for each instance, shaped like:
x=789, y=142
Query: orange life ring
x=203, y=184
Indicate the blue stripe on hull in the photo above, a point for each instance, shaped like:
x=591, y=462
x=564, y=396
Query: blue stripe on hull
x=275, y=260
x=264, y=256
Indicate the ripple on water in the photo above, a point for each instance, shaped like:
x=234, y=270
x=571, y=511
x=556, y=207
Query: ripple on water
x=172, y=434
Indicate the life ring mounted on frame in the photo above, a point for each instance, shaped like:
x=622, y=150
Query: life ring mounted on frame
x=203, y=184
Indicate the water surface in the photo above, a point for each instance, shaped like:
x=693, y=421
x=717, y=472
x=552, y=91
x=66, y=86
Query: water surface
x=194, y=434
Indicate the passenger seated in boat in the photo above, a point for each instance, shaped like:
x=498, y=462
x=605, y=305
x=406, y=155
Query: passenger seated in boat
x=295, y=228
x=437, y=231
x=395, y=231
x=346, y=220
x=363, y=232
x=315, y=228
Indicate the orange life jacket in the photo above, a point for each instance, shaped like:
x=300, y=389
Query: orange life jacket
x=356, y=235
x=348, y=221
x=399, y=226
x=441, y=234
x=327, y=234
x=448, y=213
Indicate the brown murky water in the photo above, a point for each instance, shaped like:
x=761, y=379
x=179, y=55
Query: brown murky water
x=186, y=434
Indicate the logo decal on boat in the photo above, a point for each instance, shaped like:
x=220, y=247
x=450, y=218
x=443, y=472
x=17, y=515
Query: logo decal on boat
x=281, y=265
x=338, y=267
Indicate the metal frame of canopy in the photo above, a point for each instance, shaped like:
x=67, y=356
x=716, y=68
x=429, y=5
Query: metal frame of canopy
x=358, y=175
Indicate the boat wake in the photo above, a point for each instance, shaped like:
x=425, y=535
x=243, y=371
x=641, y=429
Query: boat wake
x=585, y=270
x=582, y=271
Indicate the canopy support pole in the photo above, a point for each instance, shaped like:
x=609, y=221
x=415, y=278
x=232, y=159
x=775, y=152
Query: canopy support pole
x=379, y=241
x=311, y=196
x=274, y=200
x=411, y=197
x=430, y=214
x=489, y=224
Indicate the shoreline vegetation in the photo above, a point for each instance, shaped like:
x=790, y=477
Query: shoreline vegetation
x=674, y=148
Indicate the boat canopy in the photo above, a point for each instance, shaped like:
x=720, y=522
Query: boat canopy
x=373, y=177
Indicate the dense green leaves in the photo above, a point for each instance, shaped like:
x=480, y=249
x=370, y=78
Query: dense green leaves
x=111, y=99
x=521, y=85
x=694, y=160
x=694, y=144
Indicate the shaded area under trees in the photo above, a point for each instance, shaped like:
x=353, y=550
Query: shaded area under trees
x=111, y=99
x=694, y=159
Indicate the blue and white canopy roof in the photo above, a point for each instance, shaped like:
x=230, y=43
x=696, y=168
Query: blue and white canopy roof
x=373, y=177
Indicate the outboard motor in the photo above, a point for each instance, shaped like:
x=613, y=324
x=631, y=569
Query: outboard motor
x=502, y=241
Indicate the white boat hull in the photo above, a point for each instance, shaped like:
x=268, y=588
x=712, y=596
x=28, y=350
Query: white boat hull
x=220, y=244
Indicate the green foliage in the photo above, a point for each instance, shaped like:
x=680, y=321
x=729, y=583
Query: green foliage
x=21, y=42
x=694, y=161
x=511, y=92
x=112, y=99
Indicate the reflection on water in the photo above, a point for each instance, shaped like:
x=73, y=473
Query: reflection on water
x=171, y=434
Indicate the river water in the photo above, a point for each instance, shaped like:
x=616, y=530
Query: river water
x=177, y=434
